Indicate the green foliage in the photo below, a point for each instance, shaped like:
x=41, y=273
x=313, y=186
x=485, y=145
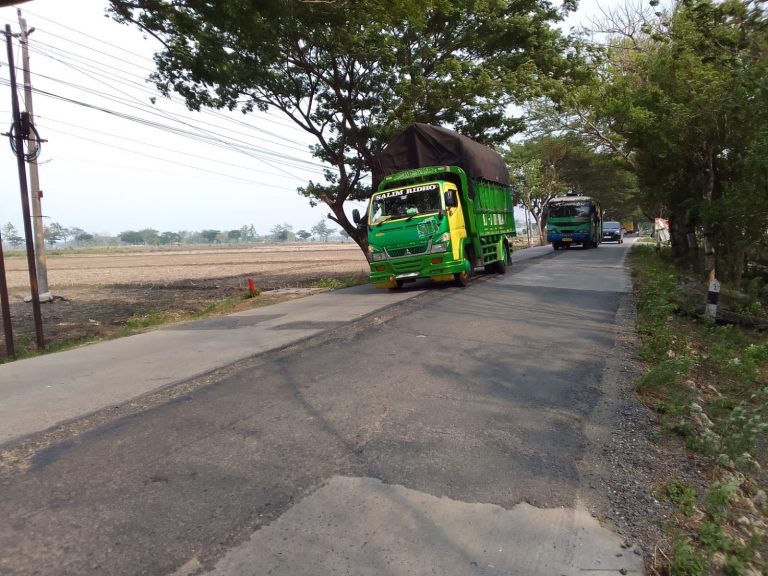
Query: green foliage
x=10, y=235
x=338, y=283
x=54, y=233
x=682, y=495
x=664, y=377
x=720, y=410
x=170, y=238
x=679, y=96
x=718, y=499
x=322, y=230
x=210, y=236
x=281, y=233
x=744, y=425
x=687, y=560
x=353, y=73
x=131, y=237
x=152, y=319
x=656, y=302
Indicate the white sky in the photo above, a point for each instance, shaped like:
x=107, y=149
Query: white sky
x=103, y=173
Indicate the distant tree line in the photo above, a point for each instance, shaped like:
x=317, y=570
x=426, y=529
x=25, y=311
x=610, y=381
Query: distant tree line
x=57, y=235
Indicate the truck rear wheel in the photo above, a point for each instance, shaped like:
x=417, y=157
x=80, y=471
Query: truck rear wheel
x=501, y=265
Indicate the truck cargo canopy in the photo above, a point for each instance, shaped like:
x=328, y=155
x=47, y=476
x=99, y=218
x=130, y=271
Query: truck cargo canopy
x=421, y=145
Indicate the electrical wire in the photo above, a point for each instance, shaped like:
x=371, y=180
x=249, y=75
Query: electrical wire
x=113, y=75
x=166, y=160
x=134, y=168
x=203, y=135
x=274, y=156
x=27, y=129
x=290, y=125
x=155, y=94
x=168, y=114
x=152, y=145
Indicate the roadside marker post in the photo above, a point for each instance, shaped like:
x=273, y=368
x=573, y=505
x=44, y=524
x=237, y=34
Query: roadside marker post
x=713, y=298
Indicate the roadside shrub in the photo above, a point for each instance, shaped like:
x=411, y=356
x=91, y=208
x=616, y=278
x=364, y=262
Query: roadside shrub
x=687, y=561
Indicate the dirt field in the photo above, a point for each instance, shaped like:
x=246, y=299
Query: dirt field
x=97, y=293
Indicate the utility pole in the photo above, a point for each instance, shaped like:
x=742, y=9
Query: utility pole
x=5, y=306
x=18, y=140
x=35, y=193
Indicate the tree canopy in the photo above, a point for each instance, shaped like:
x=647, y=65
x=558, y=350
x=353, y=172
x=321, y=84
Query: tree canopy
x=679, y=96
x=352, y=73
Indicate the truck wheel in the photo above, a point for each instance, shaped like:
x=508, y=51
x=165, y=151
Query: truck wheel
x=501, y=265
x=462, y=278
x=555, y=246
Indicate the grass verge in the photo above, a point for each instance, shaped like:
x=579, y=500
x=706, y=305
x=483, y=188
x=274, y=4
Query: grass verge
x=709, y=385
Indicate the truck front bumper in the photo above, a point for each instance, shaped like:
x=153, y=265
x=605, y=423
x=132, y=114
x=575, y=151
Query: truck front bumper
x=439, y=267
x=568, y=237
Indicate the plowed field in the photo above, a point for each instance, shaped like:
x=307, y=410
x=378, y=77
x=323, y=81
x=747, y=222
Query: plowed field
x=97, y=292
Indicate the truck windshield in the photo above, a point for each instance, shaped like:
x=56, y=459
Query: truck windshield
x=571, y=210
x=406, y=202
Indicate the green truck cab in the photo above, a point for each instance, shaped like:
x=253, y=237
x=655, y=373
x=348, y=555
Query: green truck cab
x=438, y=221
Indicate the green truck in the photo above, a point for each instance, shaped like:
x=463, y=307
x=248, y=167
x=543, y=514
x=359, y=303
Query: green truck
x=443, y=207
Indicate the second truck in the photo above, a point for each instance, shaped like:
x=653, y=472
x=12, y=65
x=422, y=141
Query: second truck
x=443, y=207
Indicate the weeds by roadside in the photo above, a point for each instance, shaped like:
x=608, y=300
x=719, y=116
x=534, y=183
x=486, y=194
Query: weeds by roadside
x=709, y=384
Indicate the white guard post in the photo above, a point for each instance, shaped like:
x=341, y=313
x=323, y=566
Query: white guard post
x=713, y=297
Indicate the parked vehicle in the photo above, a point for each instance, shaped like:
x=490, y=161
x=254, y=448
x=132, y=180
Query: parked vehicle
x=442, y=208
x=573, y=220
x=613, y=232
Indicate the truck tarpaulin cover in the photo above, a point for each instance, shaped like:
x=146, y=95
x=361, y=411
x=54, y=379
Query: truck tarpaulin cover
x=422, y=145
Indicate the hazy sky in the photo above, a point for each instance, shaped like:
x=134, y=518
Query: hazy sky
x=115, y=161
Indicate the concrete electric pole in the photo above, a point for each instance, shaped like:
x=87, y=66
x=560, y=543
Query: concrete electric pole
x=35, y=193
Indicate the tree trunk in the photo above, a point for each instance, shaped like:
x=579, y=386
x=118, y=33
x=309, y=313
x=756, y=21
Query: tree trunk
x=680, y=234
x=358, y=233
x=709, y=244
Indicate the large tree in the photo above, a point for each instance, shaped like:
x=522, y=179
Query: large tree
x=353, y=72
x=11, y=235
x=679, y=96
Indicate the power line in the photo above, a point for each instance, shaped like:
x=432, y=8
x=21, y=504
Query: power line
x=156, y=146
x=165, y=113
x=204, y=135
x=290, y=125
x=211, y=140
x=156, y=158
x=143, y=88
x=197, y=128
x=154, y=93
x=134, y=168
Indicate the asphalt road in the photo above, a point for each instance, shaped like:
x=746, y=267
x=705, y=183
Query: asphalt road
x=439, y=436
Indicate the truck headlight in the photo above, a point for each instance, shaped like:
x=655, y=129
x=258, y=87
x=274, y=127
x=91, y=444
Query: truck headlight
x=441, y=243
x=378, y=256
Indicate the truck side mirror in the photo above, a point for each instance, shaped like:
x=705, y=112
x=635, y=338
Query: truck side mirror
x=451, y=201
x=356, y=216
